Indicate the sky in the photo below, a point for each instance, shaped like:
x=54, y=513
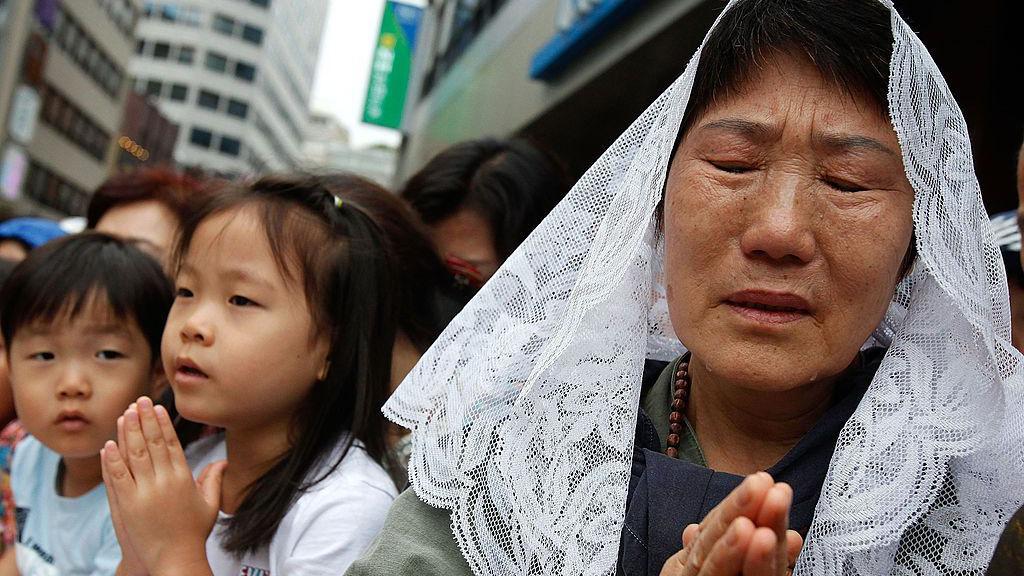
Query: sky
x=343, y=72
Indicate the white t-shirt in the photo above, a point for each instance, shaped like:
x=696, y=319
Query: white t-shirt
x=326, y=529
x=58, y=535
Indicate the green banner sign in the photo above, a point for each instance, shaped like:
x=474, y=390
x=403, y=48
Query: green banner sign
x=392, y=65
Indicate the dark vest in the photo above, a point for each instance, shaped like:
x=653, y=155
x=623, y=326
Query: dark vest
x=666, y=494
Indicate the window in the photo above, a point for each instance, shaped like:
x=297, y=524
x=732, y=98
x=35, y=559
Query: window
x=186, y=54
x=238, y=108
x=208, y=99
x=252, y=34
x=140, y=47
x=216, y=62
x=223, y=24
x=245, y=71
x=161, y=50
x=260, y=3
x=230, y=146
x=153, y=88
x=200, y=137
x=179, y=92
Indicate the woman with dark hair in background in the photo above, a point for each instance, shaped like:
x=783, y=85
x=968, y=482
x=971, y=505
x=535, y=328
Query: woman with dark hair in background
x=146, y=205
x=481, y=199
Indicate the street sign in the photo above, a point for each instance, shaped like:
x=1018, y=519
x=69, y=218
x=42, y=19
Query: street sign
x=392, y=65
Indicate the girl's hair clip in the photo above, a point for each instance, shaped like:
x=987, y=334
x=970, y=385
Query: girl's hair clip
x=338, y=202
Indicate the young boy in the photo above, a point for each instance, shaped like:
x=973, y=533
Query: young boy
x=82, y=319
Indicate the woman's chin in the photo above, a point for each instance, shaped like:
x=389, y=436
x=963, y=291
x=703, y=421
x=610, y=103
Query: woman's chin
x=784, y=365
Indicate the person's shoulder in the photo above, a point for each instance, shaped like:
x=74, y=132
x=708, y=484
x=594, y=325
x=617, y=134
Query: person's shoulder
x=356, y=470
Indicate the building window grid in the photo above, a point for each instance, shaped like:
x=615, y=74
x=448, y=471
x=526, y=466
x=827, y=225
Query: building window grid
x=123, y=13
x=73, y=124
x=468, y=19
x=173, y=12
x=51, y=190
x=74, y=42
x=228, y=26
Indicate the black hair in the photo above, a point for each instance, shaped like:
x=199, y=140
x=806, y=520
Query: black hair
x=64, y=275
x=421, y=280
x=338, y=256
x=513, y=184
x=849, y=42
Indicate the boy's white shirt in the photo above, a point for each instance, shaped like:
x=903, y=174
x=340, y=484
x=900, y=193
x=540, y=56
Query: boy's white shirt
x=325, y=530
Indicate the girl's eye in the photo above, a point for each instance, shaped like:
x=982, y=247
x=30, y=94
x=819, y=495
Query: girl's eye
x=237, y=300
x=731, y=167
x=842, y=186
x=183, y=293
x=109, y=355
x=42, y=356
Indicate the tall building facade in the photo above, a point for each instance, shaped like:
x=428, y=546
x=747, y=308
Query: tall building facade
x=573, y=74
x=235, y=75
x=63, y=84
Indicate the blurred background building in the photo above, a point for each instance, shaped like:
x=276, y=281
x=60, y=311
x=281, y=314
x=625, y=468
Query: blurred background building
x=235, y=75
x=328, y=147
x=63, y=87
x=572, y=74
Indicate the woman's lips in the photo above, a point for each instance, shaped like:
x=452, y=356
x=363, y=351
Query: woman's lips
x=768, y=307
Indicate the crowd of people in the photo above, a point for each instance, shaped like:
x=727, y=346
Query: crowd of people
x=771, y=331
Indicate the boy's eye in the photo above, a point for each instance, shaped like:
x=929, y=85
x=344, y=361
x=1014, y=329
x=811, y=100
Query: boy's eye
x=42, y=356
x=237, y=300
x=109, y=355
x=182, y=293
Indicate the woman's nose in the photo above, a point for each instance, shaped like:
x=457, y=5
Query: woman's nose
x=779, y=218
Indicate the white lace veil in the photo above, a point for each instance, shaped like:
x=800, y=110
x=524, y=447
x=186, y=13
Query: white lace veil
x=523, y=411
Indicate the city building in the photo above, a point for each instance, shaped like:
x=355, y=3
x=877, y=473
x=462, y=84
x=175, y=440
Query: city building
x=327, y=147
x=235, y=75
x=573, y=74
x=147, y=137
x=63, y=84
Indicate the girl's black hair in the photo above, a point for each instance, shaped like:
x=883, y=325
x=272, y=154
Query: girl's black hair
x=337, y=254
x=64, y=275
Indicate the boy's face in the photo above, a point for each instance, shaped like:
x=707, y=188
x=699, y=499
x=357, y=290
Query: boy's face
x=72, y=378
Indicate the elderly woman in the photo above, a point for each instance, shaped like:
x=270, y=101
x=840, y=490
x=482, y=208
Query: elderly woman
x=796, y=225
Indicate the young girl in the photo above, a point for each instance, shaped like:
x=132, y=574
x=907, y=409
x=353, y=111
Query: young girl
x=279, y=335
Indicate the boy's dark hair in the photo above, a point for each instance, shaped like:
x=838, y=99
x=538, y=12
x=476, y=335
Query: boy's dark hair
x=511, y=183
x=62, y=277
x=339, y=256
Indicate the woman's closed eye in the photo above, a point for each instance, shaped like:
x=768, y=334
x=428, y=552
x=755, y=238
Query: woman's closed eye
x=732, y=166
x=842, y=185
